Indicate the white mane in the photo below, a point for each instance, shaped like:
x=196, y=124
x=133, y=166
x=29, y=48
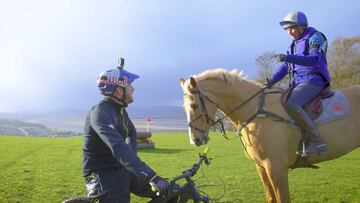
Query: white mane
x=230, y=77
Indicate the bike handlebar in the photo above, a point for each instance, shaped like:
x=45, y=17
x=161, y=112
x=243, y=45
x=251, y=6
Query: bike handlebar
x=192, y=171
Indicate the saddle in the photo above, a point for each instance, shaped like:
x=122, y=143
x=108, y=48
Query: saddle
x=315, y=106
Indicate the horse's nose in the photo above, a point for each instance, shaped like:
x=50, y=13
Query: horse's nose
x=206, y=139
x=197, y=141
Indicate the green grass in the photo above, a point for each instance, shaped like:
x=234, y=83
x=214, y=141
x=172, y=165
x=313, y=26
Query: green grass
x=49, y=170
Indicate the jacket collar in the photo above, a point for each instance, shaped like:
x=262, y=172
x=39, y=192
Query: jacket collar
x=307, y=33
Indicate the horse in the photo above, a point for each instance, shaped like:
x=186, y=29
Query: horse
x=272, y=145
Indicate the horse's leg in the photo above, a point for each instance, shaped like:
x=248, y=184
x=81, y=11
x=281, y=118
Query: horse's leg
x=277, y=173
x=269, y=192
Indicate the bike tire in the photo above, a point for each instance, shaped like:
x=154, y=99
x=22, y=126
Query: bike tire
x=78, y=199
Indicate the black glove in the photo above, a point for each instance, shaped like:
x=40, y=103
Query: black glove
x=280, y=57
x=161, y=185
x=269, y=83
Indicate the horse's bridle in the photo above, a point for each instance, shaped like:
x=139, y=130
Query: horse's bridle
x=204, y=114
x=261, y=112
x=220, y=121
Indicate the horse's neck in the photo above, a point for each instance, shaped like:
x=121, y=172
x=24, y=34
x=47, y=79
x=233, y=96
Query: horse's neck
x=229, y=97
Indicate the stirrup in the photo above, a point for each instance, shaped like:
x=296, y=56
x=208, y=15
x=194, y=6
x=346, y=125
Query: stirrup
x=320, y=149
x=302, y=152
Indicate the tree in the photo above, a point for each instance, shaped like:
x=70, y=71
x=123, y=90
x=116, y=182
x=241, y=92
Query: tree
x=344, y=62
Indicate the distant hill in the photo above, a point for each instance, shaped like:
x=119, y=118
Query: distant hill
x=22, y=128
x=171, y=112
x=73, y=119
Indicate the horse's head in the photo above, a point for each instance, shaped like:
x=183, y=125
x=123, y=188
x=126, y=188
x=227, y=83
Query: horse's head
x=199, y=110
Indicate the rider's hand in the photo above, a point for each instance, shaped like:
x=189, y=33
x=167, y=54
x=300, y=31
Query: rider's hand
x=161, y=185
x=280, y=57
x=269, y=83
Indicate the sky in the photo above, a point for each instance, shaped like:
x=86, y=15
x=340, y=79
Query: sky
x=52, y=51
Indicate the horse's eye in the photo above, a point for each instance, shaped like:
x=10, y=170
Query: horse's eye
x=194, y=106
x=192, y=98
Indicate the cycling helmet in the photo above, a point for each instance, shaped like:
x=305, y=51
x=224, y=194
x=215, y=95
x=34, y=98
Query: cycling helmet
x=110, y=79
x=295, y=18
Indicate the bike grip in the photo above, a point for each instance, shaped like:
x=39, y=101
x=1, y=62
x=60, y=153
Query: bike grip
x=154, y=189
x=206, y=150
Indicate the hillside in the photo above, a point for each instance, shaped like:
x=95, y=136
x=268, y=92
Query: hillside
x=165, y=119
x=171, y=112
x=23, y=128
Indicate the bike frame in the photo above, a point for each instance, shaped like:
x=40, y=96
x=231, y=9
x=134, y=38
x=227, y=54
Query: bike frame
x=183, y=193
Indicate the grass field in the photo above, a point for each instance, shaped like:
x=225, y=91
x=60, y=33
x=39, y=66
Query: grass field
x=49, y=170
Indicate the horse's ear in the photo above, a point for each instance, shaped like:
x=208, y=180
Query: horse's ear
x=193, y=83
x=182, y=81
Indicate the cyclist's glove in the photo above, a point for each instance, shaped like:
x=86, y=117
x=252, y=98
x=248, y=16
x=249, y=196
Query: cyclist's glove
x=161, y=185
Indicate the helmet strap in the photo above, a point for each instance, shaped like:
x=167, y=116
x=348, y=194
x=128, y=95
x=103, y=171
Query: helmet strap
x=124, y=94
x=301, y=30
x=123, y=97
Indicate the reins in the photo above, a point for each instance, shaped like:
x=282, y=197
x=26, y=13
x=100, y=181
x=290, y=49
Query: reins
x=220, y=121
x=260, y=112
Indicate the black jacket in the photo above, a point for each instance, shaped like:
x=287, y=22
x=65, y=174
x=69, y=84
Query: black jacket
x=110, y=141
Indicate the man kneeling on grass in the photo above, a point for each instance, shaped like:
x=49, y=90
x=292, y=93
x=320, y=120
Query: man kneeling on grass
x=110, y=163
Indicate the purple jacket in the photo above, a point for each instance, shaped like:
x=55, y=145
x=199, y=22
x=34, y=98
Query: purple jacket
x=307, y=60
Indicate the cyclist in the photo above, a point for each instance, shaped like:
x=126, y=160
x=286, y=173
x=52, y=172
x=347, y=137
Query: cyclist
x=306, y=60
x=110, y=163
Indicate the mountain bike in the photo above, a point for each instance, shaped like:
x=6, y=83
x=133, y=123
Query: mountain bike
x=188, y=191
x=179, y=193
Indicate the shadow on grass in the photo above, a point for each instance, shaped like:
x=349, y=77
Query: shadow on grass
x=162, y=151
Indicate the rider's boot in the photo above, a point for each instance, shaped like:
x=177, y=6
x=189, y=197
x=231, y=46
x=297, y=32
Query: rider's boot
x=315, y=144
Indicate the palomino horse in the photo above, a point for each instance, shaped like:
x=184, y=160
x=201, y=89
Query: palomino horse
x=271, y=144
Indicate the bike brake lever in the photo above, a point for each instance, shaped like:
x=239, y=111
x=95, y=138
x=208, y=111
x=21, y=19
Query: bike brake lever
x=207, y=161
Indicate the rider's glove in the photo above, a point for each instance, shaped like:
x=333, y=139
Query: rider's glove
x=269, y=83
x=160, y=184
x=280, y=57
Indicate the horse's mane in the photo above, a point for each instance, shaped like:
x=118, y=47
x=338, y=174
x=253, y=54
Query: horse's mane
x=230, y=77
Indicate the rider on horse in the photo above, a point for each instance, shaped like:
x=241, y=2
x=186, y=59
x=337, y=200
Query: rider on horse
x=305, y=61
